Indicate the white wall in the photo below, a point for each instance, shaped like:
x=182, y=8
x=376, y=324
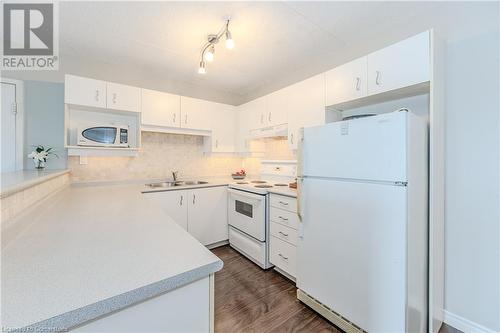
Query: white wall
x=472, y=278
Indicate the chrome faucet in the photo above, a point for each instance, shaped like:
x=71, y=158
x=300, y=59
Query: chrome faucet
x=175, y=175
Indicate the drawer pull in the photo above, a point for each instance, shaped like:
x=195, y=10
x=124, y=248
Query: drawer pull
x=283, y=203
x=282, y=218
x=282, y=233
x=282, y=256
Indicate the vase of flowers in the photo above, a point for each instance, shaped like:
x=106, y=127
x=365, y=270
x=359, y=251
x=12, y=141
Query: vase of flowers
x=40, y=156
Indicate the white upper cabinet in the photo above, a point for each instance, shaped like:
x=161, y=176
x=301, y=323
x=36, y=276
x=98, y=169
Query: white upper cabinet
x=123, y=97
x=243, y=141
x=307, y=107
x=347, y=82
x=208, y=214
x=196, y=113
x=242, y=132
x=84, y=91
x=400, y=65
x=257, y=111
x=101, y=94
x=278, y=103
x=160, y=109
x=223, y=123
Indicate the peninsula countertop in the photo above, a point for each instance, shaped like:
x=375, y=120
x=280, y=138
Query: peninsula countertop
x=90, y=250
x=12, y=182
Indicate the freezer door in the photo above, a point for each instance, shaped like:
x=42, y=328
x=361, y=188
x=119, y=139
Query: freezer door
x=352, y=255
x=372, y=148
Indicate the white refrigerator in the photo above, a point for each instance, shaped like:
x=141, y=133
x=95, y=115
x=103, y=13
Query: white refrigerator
x=363, y=206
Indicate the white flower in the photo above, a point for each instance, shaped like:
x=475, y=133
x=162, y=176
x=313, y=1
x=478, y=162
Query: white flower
x=41, y=156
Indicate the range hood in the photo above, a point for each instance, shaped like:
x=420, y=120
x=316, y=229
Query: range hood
x=270, y=132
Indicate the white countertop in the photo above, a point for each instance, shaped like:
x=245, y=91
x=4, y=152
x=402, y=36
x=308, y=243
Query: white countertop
x=16, y=181
x=289, y=192
x=91, y=250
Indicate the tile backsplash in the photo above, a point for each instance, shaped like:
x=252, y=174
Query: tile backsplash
x=161, y=153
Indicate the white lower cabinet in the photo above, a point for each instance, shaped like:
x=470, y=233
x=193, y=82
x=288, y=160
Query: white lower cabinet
x=283, y=255
x=174, y=203
x=185, y=309
x=283, y=230
x=202, y=211
x=207, y=214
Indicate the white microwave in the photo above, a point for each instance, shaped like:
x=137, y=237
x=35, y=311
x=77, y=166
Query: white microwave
x=103, y=136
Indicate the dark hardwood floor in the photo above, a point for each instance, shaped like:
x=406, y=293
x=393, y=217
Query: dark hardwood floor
x=249, y=299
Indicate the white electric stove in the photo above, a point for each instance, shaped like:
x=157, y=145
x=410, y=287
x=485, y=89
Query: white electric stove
x=248, y=210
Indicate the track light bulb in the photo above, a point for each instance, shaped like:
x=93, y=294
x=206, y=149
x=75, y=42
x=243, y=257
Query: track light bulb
x=229, y=40
x=202, y=69
x=209, y=54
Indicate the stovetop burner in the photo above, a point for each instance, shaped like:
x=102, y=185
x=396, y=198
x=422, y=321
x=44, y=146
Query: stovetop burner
x=263, y=186
x=279, y=184
x=241, y=183
x=258, y=181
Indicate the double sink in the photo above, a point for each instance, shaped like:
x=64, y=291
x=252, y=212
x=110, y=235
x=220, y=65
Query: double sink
x=177, y=183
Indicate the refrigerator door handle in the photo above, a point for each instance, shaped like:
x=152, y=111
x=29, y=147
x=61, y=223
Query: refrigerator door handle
x=299, y=204
x=300, y=143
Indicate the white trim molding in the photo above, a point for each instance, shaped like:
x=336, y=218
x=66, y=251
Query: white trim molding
x=19, y=120
x=465, y=325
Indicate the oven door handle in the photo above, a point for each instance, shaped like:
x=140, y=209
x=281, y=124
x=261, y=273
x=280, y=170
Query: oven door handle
x=246, y=196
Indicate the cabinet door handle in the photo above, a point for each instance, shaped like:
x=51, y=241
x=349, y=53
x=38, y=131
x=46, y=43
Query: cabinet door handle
x=97, y=95
x=216, y=143
x=358, y=81
x=180, y=202
x=291, y=138
x=377, y=78
x=283, y=203
x=173, y=118
x=194, y=198
x=114, y=98
x=269, y=117
x=282, y=256
x=282, y=218
x=186, y=119
x=283, y=234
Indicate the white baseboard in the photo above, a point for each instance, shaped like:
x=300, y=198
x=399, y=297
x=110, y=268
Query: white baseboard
x=465, y=325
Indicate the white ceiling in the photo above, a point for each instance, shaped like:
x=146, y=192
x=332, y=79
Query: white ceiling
x=157, y=44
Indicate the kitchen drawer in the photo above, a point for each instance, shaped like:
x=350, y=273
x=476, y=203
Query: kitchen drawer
x=249, y=246
x=284, y=233
x=283, y=255
x=290, y=219
x=283, y=202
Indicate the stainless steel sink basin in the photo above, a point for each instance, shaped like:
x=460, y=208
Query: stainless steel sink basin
x=195, y=182
x=163, y=184
x=176, y=184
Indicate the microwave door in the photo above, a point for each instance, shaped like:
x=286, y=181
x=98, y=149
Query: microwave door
x=101, y=136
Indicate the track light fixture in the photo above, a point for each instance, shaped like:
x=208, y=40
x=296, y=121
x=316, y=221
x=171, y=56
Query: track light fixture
x=202, y=69
x=208, y=49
